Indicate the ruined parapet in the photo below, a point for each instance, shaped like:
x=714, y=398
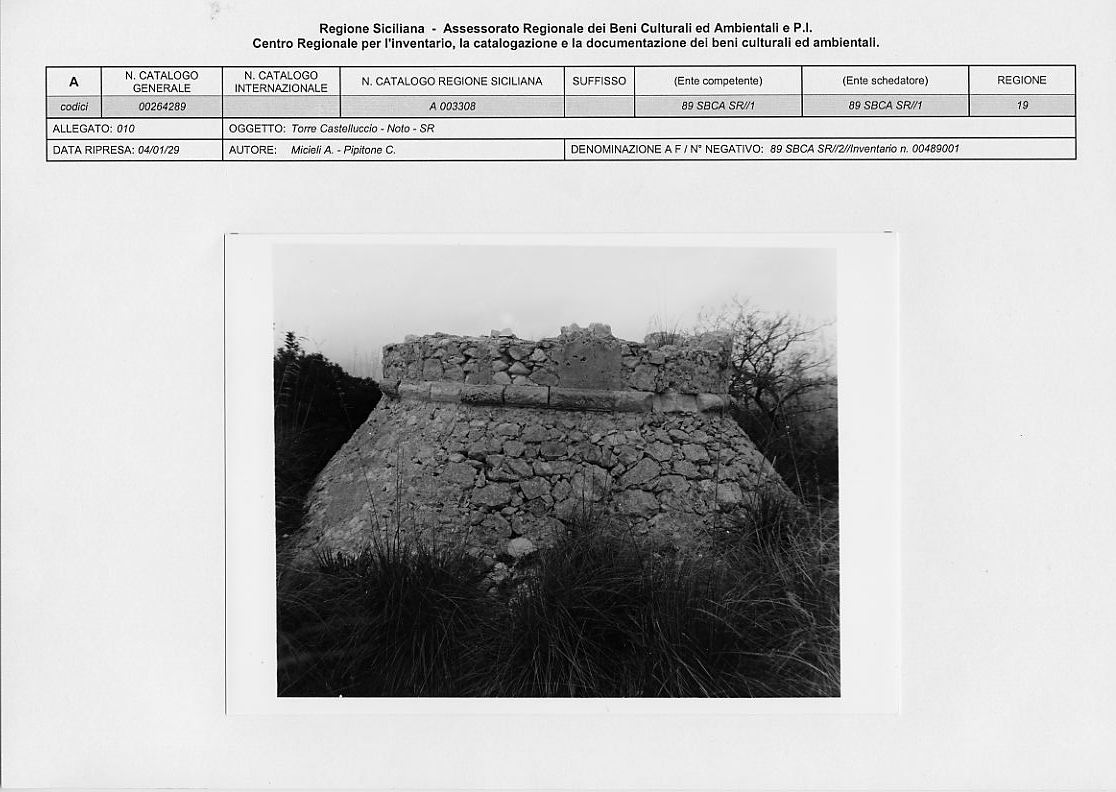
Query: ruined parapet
x=485, y=440
x=580, y=370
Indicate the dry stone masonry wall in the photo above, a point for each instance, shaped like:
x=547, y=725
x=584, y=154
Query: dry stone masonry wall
x=581, y=369
x=499, y=443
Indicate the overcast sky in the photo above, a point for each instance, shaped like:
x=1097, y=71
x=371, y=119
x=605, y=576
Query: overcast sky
x=350, y=300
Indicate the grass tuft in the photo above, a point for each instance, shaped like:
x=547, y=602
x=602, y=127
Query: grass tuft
x=391, y=621
x=590, y=616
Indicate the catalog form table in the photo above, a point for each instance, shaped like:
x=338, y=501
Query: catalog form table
x=560, y=113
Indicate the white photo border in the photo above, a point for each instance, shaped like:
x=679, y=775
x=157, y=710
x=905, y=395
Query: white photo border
x=868, y=415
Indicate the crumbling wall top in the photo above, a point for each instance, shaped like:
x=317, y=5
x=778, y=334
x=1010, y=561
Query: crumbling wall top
x=583, y=359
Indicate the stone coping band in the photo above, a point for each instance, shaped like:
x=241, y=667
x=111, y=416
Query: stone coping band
x=555, y=398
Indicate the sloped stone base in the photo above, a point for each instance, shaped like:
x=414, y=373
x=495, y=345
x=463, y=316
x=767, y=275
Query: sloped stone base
x=449, y=473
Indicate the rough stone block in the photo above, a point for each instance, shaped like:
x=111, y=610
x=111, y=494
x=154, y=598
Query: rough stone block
x=643, y=378
x=670, y=483
x=493, y=495
x=553, y=449
x=534, y=433
x=481, y=375
x=521, y=351
x=637, y=503
x=582, y=399
x=520, y=547
x=432, y=369
x=729, y=495
x=527, y=395
x=460, y=474
x=543, y=377
x=591, y=483
x=589, y=363
x=643, y=471
x=500, y=473
x=514, y=448
x=534, y=488
x=482, y=394
x=597, y=455
x=695, y=452
x=454, y=373
x=628, y=454
x=520, y=467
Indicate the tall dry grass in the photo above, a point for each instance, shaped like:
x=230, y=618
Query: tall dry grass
x=591, y=616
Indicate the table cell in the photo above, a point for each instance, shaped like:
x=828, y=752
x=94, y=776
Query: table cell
x=395, y=149
x=136, y=128
x=868, y=148
x=74, y=106
x=281, y=83
x=727, y=80
x=282, y=106
x=695, y=126
x=452, y=81
x=1028, y=80
x=886, y=105
x=163, y=81
x=1022, y=105
x=885, y=80
x=81, y=81
x=600, y=81
x=162, y=106
x=712, y=105
x=599, y=106
x=462, y=106
x=102, y=150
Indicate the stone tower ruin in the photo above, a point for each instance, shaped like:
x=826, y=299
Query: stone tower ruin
x=486, y=440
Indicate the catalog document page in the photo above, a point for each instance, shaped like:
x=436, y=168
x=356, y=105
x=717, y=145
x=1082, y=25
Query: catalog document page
x=483, y=395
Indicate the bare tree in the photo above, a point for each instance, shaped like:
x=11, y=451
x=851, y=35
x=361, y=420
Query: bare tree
x=780, y=365
x=784, y=385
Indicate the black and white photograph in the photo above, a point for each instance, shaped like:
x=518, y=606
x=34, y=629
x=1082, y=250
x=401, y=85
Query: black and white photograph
x=515, y=471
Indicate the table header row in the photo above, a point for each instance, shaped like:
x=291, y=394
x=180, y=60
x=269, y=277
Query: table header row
x=178, y=82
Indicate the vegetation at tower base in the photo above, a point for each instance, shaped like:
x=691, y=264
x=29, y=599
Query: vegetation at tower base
x=591, y=615
x=317, y=406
